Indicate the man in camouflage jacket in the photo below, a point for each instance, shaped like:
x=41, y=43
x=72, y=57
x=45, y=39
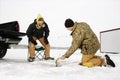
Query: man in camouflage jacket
x=85, y=39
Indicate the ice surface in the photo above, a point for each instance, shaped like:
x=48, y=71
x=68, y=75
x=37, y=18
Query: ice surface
x=98, y=14
x=15, y=67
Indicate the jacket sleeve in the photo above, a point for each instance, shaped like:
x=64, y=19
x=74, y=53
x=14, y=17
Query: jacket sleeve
x=77, y=39
x=46, y=30
x=29, y=30
x=29, y=34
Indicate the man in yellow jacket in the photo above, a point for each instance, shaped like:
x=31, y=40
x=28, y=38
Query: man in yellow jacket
x=85, y=39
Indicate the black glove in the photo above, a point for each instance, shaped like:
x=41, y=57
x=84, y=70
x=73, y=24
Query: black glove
x=46, y=40
x=32, y=40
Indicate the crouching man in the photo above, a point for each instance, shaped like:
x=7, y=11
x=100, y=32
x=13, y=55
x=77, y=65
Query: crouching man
x=38, y=30
x=85, y=39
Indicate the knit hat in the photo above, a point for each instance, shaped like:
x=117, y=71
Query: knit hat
x=39, y=18
x=69, y=23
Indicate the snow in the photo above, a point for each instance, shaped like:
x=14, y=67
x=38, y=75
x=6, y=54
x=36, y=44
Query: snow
x=97, y=13
x=14, y=66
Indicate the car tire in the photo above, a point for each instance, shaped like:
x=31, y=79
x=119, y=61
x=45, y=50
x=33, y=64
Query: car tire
x=3, y=52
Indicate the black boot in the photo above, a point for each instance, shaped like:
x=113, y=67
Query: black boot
x=31, y=59
x=109, y=61
x=49, y=58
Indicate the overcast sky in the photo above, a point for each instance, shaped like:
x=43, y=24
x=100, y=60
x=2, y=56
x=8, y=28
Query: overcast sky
x=99, y=14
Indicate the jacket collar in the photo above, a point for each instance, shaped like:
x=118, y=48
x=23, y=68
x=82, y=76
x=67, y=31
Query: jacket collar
x=74, y=27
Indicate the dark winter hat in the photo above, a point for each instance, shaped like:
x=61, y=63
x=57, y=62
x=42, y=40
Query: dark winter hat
x=69, y=23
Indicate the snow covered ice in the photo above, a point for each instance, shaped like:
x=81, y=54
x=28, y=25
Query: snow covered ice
x=97, y=13
x=15, y=67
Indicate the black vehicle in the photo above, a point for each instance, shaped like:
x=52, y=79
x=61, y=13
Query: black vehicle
x=9, y=34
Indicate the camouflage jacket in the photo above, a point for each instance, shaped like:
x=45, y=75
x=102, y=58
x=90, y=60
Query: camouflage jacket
x=83, y=38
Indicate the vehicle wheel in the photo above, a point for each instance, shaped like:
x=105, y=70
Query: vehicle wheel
x=3, y=51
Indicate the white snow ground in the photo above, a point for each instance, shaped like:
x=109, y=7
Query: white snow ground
x=97, y=13
x=15, y=67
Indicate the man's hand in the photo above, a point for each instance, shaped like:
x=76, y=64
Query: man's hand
x=62, y=57
x=58, y=61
